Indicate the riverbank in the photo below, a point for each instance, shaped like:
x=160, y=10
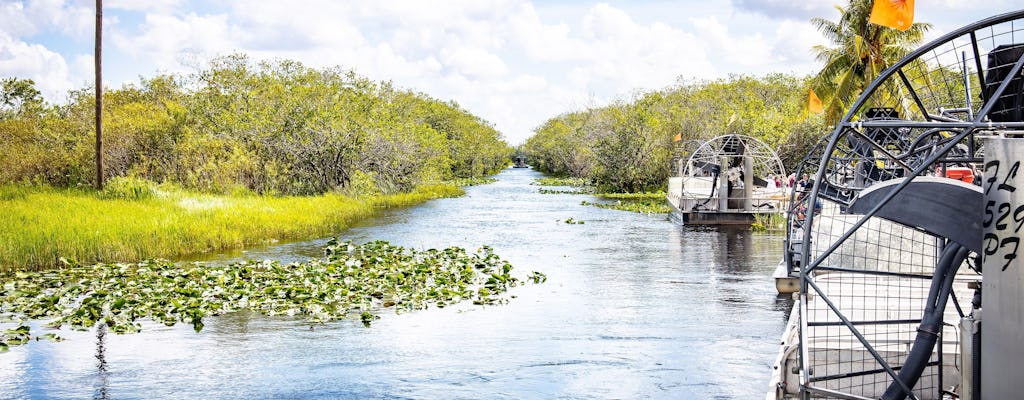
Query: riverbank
x=634, y=306
x=40, y=226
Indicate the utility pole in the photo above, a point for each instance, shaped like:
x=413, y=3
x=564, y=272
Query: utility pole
x=99, y=94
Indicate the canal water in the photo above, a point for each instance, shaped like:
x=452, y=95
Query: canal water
x=635, y=306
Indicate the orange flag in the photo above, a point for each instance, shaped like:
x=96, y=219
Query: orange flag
x=814, y=103
x=897, y=14
x=677, y=137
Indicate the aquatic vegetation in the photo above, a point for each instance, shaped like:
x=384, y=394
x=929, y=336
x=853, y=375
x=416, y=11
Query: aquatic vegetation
x=40, y=225
x=657, y=196
x=537, y=277
x=350, y=281
x=14, y=337
x=578, y=185
x=571, y=191
x=475, y=181
x=556, y=181
x=768, y=222
x=637, y=206
x=572, y=221
x=647, y=203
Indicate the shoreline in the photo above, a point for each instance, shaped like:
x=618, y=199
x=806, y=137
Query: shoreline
x=44, y=227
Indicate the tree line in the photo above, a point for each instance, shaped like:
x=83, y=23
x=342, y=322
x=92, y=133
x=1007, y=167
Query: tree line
x=630, y=145
x=272, y=127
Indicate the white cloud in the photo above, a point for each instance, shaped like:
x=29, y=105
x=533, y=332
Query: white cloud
x=474, y=62
x=792, y=46
x=166, y=41
x=16, y=20
x=746, y=51
x=513, y=62
x=499, y=58
x=163, y=6
x=623, y=55
x=26, y=18
x=33, y=61
x=788, y=9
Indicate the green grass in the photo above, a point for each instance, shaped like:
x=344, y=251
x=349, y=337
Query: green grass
x=39, y=226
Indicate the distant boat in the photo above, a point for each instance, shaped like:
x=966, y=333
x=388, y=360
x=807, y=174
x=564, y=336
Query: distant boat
x=520, y=162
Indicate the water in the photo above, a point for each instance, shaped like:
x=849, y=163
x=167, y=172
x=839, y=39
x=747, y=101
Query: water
x=635, y=306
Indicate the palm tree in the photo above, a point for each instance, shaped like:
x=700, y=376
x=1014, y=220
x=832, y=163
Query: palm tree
x=859, y=53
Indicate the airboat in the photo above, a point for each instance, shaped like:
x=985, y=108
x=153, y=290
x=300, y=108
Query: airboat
x=727, y=180
x=520, y=162
x=917, y=232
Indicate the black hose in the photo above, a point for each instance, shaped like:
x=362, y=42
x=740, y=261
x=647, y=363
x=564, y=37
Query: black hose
x=931, y=321
x=714, y=186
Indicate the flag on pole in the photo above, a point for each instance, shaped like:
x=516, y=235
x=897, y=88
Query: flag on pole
x=814, y=103
x=898, y=14
x=677, y=137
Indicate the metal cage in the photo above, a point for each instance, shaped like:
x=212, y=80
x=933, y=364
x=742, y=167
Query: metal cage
x=894, y=214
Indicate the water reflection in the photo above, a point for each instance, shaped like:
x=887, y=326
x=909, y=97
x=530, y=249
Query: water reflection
x=634, y=307
x=103, y=381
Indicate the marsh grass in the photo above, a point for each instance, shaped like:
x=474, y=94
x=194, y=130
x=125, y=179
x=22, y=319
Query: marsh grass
x=652, y=196
x=41, y=226
x=646, y=202
x=768, y=222
x=559, y=181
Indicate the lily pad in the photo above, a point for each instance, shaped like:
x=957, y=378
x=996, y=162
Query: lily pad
x=349, y=281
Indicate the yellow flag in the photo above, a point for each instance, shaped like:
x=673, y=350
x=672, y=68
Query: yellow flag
x=677, y=137
x=814, y=103
x=897, y=14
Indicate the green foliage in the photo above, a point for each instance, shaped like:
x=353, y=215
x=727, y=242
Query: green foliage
x=18, y=96
x=349, y=281
x=629, y=146
x=860, y=51
x=40, y=226
x=270, y=128
x=768, y=222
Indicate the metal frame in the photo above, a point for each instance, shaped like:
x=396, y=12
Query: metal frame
x=948, y=134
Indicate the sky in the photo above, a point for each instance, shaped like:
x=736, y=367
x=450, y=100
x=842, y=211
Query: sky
x=514, y=63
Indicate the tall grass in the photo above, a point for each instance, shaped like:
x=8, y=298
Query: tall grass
x=768, y=222
x=39, y=226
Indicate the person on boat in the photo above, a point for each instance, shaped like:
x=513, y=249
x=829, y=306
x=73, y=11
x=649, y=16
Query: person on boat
x=801, y=202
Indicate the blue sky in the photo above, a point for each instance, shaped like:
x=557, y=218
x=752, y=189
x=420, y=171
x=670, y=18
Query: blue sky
x=513, y=62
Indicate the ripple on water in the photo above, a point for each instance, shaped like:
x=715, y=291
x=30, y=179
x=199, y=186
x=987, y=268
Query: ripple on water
x=634, y=307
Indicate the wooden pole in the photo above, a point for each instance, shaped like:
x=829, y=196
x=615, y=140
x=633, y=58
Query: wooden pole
x=99, y=94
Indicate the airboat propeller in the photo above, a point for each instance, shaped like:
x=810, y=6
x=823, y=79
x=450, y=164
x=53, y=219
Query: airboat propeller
x=896, y=229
